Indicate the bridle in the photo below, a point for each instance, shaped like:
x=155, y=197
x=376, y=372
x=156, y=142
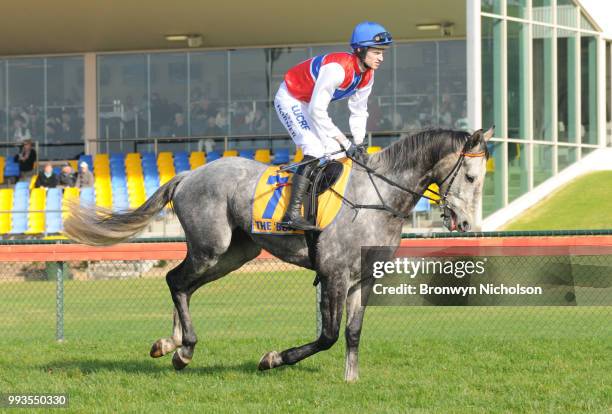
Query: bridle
x=440, y=199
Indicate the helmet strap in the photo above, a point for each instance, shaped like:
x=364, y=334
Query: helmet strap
x=361, y=54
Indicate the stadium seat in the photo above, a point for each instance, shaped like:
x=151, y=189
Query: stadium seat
x=36, y=215
x=422, y=205
x=87, y=196
x=11, y=168
x=19, y=219
x=299, y=155
x=197, y=159
x=373, y=149
x=281, y=156
x=2, y=165
x=6, y=205
x=53, y=215
x=212, y=156
x=263, y=155
x=433, y=187
x=71, y=195
x=247, y=153
x=230, y=153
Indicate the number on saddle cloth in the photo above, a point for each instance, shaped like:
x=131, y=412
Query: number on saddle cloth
x=273, y=190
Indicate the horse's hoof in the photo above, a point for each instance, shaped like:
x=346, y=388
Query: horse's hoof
x=162, y=347
x=178, y=362
x=270, y=360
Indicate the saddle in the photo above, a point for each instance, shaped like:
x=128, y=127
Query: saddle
x=321, y=179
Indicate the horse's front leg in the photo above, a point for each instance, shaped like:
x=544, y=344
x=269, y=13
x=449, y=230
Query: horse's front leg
x=355, y=309
x=333, y=295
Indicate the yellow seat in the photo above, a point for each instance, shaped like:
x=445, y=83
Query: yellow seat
x=74, y=164
x=299, y=155
x=230, y=153
x=197, y=159
x=6, y=204
x=71, y=195
x=373, y=149
x=36, y=215
x=263, y=155
x=434, y=197
x=33, y=181
x=2, y=165
x=491, y=164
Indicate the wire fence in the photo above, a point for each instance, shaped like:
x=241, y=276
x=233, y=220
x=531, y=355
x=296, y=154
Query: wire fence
x=128, y=300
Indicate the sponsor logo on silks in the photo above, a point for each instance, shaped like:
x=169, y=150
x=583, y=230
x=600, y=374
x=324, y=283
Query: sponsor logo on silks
x=297, y=111
x=287, y=120
x=272, y=195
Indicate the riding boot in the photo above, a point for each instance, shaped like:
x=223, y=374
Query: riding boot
x=293, y=215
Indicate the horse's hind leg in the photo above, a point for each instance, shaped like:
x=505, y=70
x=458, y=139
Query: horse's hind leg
x=355, y=310
x=199, y=270
x=333, y=295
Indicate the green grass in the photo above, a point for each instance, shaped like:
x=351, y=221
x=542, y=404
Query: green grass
x=585, y=203
x=413, y=359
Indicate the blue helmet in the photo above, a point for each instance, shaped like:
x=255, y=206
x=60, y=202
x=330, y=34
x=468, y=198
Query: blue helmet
x=370, y=34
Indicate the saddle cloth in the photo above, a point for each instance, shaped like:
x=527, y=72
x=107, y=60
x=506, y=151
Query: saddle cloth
x=272, y=195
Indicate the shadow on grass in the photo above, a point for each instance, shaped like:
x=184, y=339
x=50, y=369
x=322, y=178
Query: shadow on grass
x=97, y=366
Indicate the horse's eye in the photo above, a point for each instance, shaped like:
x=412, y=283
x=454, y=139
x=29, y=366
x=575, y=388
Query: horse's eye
x=469, y=178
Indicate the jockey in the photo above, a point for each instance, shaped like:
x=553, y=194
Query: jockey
x=302, y=100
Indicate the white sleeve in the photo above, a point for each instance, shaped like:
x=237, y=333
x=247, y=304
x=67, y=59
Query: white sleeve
x=358, y=105
x=330, y=77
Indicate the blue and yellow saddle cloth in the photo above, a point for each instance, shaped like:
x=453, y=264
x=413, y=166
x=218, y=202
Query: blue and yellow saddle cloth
x=272, y=195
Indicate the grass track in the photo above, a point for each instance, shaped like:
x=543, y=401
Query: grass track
x=412, y=359
x=585, y=203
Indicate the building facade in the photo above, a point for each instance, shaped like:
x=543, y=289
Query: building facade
x=538, y=70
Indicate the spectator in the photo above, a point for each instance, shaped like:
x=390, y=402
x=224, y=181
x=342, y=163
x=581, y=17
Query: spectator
x=67, y=177
x=20, y=130
x=26, y=159
x=46, y=178
x=70, y=128
x=179, y=128
x=85, y=177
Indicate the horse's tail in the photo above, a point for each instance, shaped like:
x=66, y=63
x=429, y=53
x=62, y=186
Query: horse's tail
x=99, y=226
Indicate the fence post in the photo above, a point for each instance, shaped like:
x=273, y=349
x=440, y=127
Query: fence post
x=318, y=311
x=59, y=302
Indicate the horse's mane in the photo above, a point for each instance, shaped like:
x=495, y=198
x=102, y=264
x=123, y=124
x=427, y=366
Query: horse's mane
x=427, y=146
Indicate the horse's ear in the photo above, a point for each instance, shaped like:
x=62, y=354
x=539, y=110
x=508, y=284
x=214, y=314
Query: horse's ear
x=476, y=138
x=489, y=134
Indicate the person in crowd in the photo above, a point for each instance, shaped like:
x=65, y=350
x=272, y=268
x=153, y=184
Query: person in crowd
x=67, y=177
x=20, y=130
x=85, y=177
x=26, y=159
x=47, y=178
x=179, y=128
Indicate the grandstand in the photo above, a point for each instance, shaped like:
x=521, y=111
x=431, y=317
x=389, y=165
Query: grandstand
x=121, y=181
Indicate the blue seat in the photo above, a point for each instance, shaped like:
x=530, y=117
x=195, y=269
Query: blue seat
x=11, y=168
x=422, y=206
x=87, y=196
x=212, y=156
x=281, y=156
x=247, y=153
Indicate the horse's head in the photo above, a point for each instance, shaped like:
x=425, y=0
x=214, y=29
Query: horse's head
x=461, y=177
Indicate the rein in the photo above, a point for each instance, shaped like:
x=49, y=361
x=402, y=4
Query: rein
x=441, y=201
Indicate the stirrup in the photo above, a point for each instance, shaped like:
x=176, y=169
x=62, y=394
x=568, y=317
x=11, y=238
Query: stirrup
x=299, y=224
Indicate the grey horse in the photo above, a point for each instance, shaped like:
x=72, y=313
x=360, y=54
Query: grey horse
x=214, y=206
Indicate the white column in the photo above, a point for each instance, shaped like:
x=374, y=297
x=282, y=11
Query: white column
x=601, y=91
x=90, y=102
x=474, y=66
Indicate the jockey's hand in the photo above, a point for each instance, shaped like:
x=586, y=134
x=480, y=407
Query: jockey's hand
x=356, y=151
